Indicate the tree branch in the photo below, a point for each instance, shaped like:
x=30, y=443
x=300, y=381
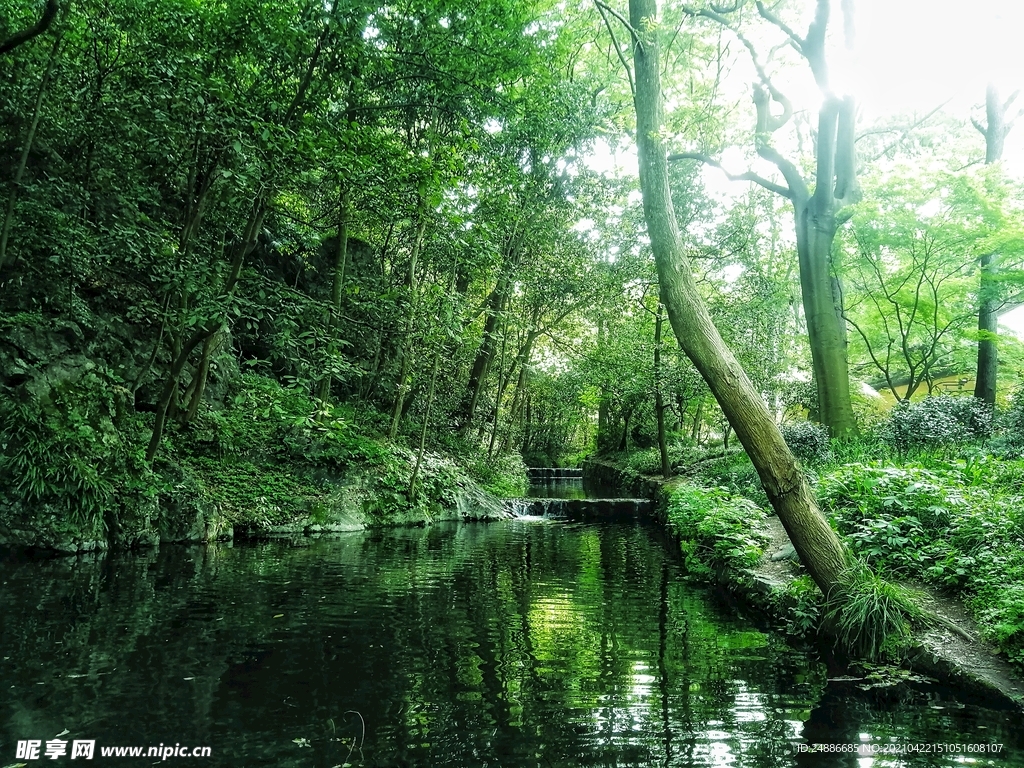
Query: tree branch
x=918, y=124
x=618, y=51
x=49, y=14
x=773, y=122
x=747, y=176
x=797, y=185
x=795, y=39
x=625, y=22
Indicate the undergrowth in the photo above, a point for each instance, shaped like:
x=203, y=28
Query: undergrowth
x=958, y=525
x=717, y=528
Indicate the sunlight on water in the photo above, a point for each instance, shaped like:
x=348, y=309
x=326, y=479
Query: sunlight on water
x=511, y=644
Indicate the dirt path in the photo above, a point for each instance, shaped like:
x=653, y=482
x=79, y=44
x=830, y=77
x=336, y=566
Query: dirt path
x=940, y=652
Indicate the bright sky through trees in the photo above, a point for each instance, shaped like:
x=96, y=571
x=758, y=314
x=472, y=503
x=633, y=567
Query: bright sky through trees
x=916, y=54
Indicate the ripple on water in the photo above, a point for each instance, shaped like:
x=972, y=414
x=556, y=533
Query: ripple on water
x=512, y=644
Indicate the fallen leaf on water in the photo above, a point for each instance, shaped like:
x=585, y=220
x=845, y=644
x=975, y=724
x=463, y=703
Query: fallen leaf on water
x=278, y=616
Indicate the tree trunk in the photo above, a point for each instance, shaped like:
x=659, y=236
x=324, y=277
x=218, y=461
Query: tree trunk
x=198, y=385
x=337, y=289
x=659, y=400
x=402, y=388
x=603, y=421
x=426, y=423
x=26, y=150
x=784, y=483
x=484, y=355
x=205, y=331
x=519, y=394
x=815, y=233
x=988, y=327
x=994, y=131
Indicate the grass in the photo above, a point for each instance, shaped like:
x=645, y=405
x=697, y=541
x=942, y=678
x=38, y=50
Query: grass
x=869, y=616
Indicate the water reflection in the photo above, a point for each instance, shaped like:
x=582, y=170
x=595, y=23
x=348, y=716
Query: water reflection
x=572, y=488
x=510, y=644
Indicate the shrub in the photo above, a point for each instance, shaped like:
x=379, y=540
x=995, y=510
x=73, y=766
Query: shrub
x=957, y=526
x=681, y=455
x=72, y=444
x=808, y=441
x=717, y=527
x=502, y=475
x=735, y=472
x=938, y=422
x=801, y=604
x=891, y=515
x=265, y=420
x=1012, y=424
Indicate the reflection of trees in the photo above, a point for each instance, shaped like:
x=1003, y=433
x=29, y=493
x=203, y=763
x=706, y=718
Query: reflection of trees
x=457, y=645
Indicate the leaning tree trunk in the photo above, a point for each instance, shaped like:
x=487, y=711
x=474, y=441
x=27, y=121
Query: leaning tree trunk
x=814, y=540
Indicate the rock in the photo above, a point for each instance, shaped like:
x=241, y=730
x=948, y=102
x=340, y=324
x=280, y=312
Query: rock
x=186, y=511
x=788, y=552
x=47, y=527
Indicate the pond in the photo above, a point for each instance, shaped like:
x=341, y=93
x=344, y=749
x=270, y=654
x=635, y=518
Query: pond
x=522, y=643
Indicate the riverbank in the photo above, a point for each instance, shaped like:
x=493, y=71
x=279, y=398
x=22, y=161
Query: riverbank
x=773, y=587
x=269, y=461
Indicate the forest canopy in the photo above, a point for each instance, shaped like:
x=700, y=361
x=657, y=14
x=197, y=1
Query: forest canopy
x=423, y=220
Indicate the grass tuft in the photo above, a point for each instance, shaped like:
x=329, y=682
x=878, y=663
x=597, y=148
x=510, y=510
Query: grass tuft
x=870, y=616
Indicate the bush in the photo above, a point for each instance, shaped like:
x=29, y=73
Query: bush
x=72, y=444
x=503, y=475
x=938, y=422
x=735, y=472
x=265, y=420
x=891, y=515
x=801, y=604
x=717, y=528
x=956, y=526
x=808, y=441
x=1012, y=424
x=648, y=461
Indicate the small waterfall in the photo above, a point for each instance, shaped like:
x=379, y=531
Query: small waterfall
x=555, y=495
x=541, y=474
x=582, y=510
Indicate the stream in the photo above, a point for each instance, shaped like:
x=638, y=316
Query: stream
x=531, y=642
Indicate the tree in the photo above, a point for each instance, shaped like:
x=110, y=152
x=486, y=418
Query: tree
x=911, y=277
x=784, y=482
x=995, y=130
x=819, y=211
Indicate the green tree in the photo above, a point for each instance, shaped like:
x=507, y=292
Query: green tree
x=784, y=483
x=818, y=203
x=911, y=277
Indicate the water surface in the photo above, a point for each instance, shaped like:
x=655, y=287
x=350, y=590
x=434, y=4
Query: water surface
x=509, y=644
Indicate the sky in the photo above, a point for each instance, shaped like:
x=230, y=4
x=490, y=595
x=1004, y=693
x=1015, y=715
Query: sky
x=916, y=54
